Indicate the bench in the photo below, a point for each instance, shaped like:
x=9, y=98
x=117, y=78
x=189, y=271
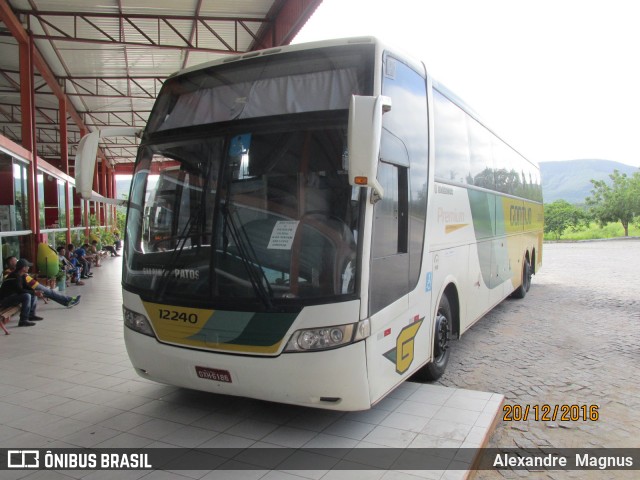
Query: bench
x=6, y=314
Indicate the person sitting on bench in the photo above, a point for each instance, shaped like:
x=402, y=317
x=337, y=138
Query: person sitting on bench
x=70, y=265
x=33, y=284
x=98, y=254
x=14, y=291
x=80, y=254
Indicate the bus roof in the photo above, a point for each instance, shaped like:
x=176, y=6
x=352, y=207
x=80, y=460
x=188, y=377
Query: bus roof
x=282, y=49
x=381, y=45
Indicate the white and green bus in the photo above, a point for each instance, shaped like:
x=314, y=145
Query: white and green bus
x=332, y=218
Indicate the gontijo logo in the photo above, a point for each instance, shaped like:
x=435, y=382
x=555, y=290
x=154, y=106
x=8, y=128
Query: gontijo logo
x=403, y=353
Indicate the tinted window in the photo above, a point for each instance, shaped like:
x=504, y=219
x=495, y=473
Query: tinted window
x=468, y=153
x=453, y=163
x=481, y=169
x=400, y=219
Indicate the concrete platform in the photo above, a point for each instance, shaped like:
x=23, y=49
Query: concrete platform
x=67, y=383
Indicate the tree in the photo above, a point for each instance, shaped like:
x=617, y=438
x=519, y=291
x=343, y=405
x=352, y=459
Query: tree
x=560, y=215
x=618, y=202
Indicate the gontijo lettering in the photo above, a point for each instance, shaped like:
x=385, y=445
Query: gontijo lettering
x=520, y=215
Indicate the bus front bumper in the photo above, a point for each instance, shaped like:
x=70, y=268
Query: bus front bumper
x=331, y=379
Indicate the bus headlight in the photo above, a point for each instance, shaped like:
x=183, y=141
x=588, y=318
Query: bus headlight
x=137, y=322
x=324, y=338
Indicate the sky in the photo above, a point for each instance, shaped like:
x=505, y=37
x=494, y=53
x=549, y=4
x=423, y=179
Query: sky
x=558, y=80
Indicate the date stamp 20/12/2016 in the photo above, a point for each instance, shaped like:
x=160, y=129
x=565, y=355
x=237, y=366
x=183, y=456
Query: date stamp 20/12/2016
x=550, y=413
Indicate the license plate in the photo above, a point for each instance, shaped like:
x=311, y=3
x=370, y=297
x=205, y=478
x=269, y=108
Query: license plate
x=213, y=374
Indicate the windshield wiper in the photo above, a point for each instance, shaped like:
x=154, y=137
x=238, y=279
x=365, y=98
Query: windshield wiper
x=196, y=217
x=257, y=277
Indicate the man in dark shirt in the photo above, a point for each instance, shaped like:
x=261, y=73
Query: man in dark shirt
x=14, y=291
x=80, y=254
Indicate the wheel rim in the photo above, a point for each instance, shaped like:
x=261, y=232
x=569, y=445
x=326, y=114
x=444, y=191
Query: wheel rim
x=442, y=337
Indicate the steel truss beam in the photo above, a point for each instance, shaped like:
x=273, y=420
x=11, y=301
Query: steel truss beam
x=159, y=31
x=11, y=115
x=139, y=86
x=187, y=33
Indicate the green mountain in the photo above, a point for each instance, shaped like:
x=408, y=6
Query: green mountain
x=570, y=180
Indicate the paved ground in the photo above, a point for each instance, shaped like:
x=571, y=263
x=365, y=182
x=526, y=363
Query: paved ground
x=68, y=382
x=573, y=340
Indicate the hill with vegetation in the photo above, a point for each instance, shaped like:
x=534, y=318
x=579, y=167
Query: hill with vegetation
x=570, y=180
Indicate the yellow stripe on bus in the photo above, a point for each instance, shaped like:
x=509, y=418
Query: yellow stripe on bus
x=454, y=227
x=186, y=326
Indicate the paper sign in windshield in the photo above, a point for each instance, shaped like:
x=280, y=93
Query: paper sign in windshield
x=282, y=235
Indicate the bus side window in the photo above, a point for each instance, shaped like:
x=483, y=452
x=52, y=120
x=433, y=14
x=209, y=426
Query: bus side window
x=389, y=257
x=399, y=218
x=390, y=214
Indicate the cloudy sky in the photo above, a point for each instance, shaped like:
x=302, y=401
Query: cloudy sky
x=559, y=80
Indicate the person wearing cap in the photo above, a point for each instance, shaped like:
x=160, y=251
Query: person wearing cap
x=32, y=283
x=14, y=291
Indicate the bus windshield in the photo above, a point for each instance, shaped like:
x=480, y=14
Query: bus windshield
x=261, y=217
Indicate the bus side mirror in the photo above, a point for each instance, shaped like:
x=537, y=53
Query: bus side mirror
x=87, y=152
x=364, y=132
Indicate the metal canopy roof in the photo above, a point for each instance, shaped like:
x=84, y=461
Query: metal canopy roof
x=109, y=58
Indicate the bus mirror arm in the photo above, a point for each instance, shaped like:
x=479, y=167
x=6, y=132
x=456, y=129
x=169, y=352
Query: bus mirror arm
x=363, y=142
x=87, y=152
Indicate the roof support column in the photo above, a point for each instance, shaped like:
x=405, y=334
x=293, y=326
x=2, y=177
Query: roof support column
x=64, y=162
x=68, y=208
x=109, y=181
x=109, y=193
x=29, y=134
x=64, y=146
x=103, y=190
x=112, y=182
x=26, y=89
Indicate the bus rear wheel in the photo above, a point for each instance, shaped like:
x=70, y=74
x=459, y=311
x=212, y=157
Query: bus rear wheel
x=441, y=343
x=525, y=285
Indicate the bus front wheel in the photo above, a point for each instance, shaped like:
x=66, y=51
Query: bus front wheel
x=441, y=342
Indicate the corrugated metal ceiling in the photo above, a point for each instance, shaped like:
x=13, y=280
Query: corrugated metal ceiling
x=111, y=56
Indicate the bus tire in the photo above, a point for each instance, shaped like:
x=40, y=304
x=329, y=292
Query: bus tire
x=525, y=285
x=441, y=343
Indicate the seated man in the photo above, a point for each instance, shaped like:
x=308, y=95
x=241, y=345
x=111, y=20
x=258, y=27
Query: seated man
x=93, y=249
x=33, y=284
x=47, y=292
x=80, y=253
x=90, y=256
x=70, y=265
x=14, y=291
x=9, y=266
